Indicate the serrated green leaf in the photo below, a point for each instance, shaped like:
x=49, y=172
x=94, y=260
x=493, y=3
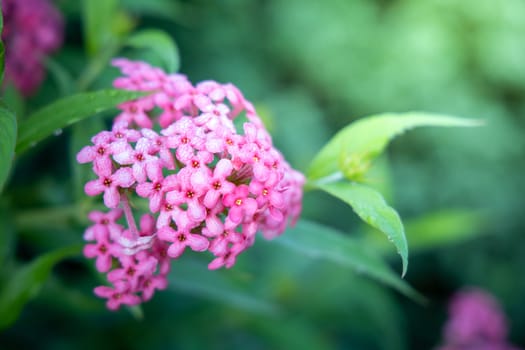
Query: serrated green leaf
x=160, y=43
x=7, y=142
x=26, y=282
x=352, y=149
x=370, y=206
x=321, y=242
x=67, y=111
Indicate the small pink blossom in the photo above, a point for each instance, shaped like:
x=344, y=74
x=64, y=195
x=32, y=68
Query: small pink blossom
x=241, y=205
x=110, y=185
x=182, y=239
x=103, y=250
x=156, y=189
x=121, y=294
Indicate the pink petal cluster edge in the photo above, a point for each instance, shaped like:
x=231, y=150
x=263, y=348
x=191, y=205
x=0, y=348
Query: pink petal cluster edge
x=201, y=160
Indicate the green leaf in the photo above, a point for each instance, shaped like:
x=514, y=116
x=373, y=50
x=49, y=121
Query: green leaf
x=160, y=43
x=194, y=278
x=437, y=229
x=26, y=282
x=372, y=208
x=67, y=111
x=7, y=142
x=321, y=242
x=353, y=148
x=98, y=16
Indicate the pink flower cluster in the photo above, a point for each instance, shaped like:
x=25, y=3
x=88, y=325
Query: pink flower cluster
x=32, y=29
x=202, y=162
x=476, y=322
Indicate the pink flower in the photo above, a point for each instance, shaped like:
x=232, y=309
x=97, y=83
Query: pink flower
x=32, y=30
x=108, y=220
x=103, y=250
x=475, y=315
x=214, y=185
x=182, y=239
x=99, y=154
x=136, y=112
x=110, y=185
x=158, y=186
x=240, y=205
x=121, y=294
x=150, y=284
x=133, y=269
x=208, y=185
x=139, y=158
x=476, y=321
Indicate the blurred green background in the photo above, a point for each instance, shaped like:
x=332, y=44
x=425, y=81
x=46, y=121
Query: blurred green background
x=312, y=67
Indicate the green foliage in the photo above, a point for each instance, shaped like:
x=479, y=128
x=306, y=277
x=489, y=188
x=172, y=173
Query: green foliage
x=310, y=65
x=437, y=229
x=98, y=18
x=372, y=208
x=353, y=148
x=26, y=281
x=6, y=237
x=160, y=43
x=321, y=242
x=67, y=111
x=350, y=153
x=194, y=278
x=8, y=129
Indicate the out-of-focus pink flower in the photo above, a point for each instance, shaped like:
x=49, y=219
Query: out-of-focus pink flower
x=476, y=322
x=209, y=184
x=32, y=30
